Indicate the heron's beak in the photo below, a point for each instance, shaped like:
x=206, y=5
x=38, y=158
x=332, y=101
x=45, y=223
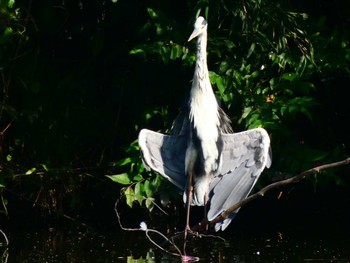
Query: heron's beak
x=194, y=34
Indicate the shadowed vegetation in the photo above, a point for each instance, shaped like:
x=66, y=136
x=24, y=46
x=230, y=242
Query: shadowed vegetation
x=79, y=79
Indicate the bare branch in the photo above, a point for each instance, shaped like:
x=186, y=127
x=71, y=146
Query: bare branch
x=5, y=237
x=275, y=185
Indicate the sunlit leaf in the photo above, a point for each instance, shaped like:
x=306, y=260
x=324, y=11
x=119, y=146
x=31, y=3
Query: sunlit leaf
x=30, y=171
x=254, y=121
x=8, y=31
x=44, y=167
x=139, y=193
x=152, y=13
x=130, y=196
x=137, y=51
x=148, y=188
x=10, y=3
x=224, y=66
x=246, y=112
x=120, y=178
x=123, y=162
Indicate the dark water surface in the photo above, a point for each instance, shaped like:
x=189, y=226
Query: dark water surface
x=312, y=229
x=79, y=244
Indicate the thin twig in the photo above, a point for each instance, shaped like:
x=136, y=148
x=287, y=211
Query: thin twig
x=5, y=129
x=5, y=237
x=4, y=205
x=144, y=228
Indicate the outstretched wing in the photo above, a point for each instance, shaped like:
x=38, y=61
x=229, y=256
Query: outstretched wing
x=244, y=157
x=164, y=154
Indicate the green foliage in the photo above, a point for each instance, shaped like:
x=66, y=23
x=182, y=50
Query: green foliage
x=266, y=79
x=263, y=61
x=11, y=32
x=77, y=84
x=165, y=48
x=148, y=259
x=139, y=185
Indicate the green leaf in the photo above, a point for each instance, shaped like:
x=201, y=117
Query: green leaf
x=255, y=74
x=8, y=31
x=246, y=112
x=149, y=204
x=152, y=13
x=137, y=188
x=155, y=183
x=251, y=50
x=139, y=192
x=289, y=76
x=148, y=189
x=120, y=178
x=218, y=81
x=123, y=162
x=254, y=121
x=238, y=77
x=283, y=109
x=137, y=178
x=141, y=168
x=30, y=171
x=224, y=66
x=44, y=167
x=293, y=109
x=10, y=3
x=130, y=196
x=175, y=52
x=137, y=51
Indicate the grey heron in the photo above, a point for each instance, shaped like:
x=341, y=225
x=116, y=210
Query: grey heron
x=202, y=157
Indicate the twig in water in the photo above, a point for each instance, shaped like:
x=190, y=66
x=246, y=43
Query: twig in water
x=143, y=227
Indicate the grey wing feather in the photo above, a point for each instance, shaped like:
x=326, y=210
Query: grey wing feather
x=225, y=122
x=164, y=154
x=244, y=157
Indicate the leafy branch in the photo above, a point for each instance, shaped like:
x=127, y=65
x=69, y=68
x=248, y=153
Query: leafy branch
x=139, y=185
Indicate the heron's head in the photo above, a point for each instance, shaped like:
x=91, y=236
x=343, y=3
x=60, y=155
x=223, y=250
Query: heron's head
x=200, y=26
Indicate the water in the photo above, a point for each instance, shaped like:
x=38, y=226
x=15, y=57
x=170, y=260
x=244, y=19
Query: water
x=306, y=230
x=80, y=244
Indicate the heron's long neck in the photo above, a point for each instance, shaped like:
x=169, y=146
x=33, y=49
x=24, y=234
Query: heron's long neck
x=201, y=70
x=204, y=109
x=202, y=96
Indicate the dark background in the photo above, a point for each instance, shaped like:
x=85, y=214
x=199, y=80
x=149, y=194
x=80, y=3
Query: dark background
x=75, y=95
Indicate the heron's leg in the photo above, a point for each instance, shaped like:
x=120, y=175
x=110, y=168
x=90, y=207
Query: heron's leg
x=188, y=204
x=206, y=211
